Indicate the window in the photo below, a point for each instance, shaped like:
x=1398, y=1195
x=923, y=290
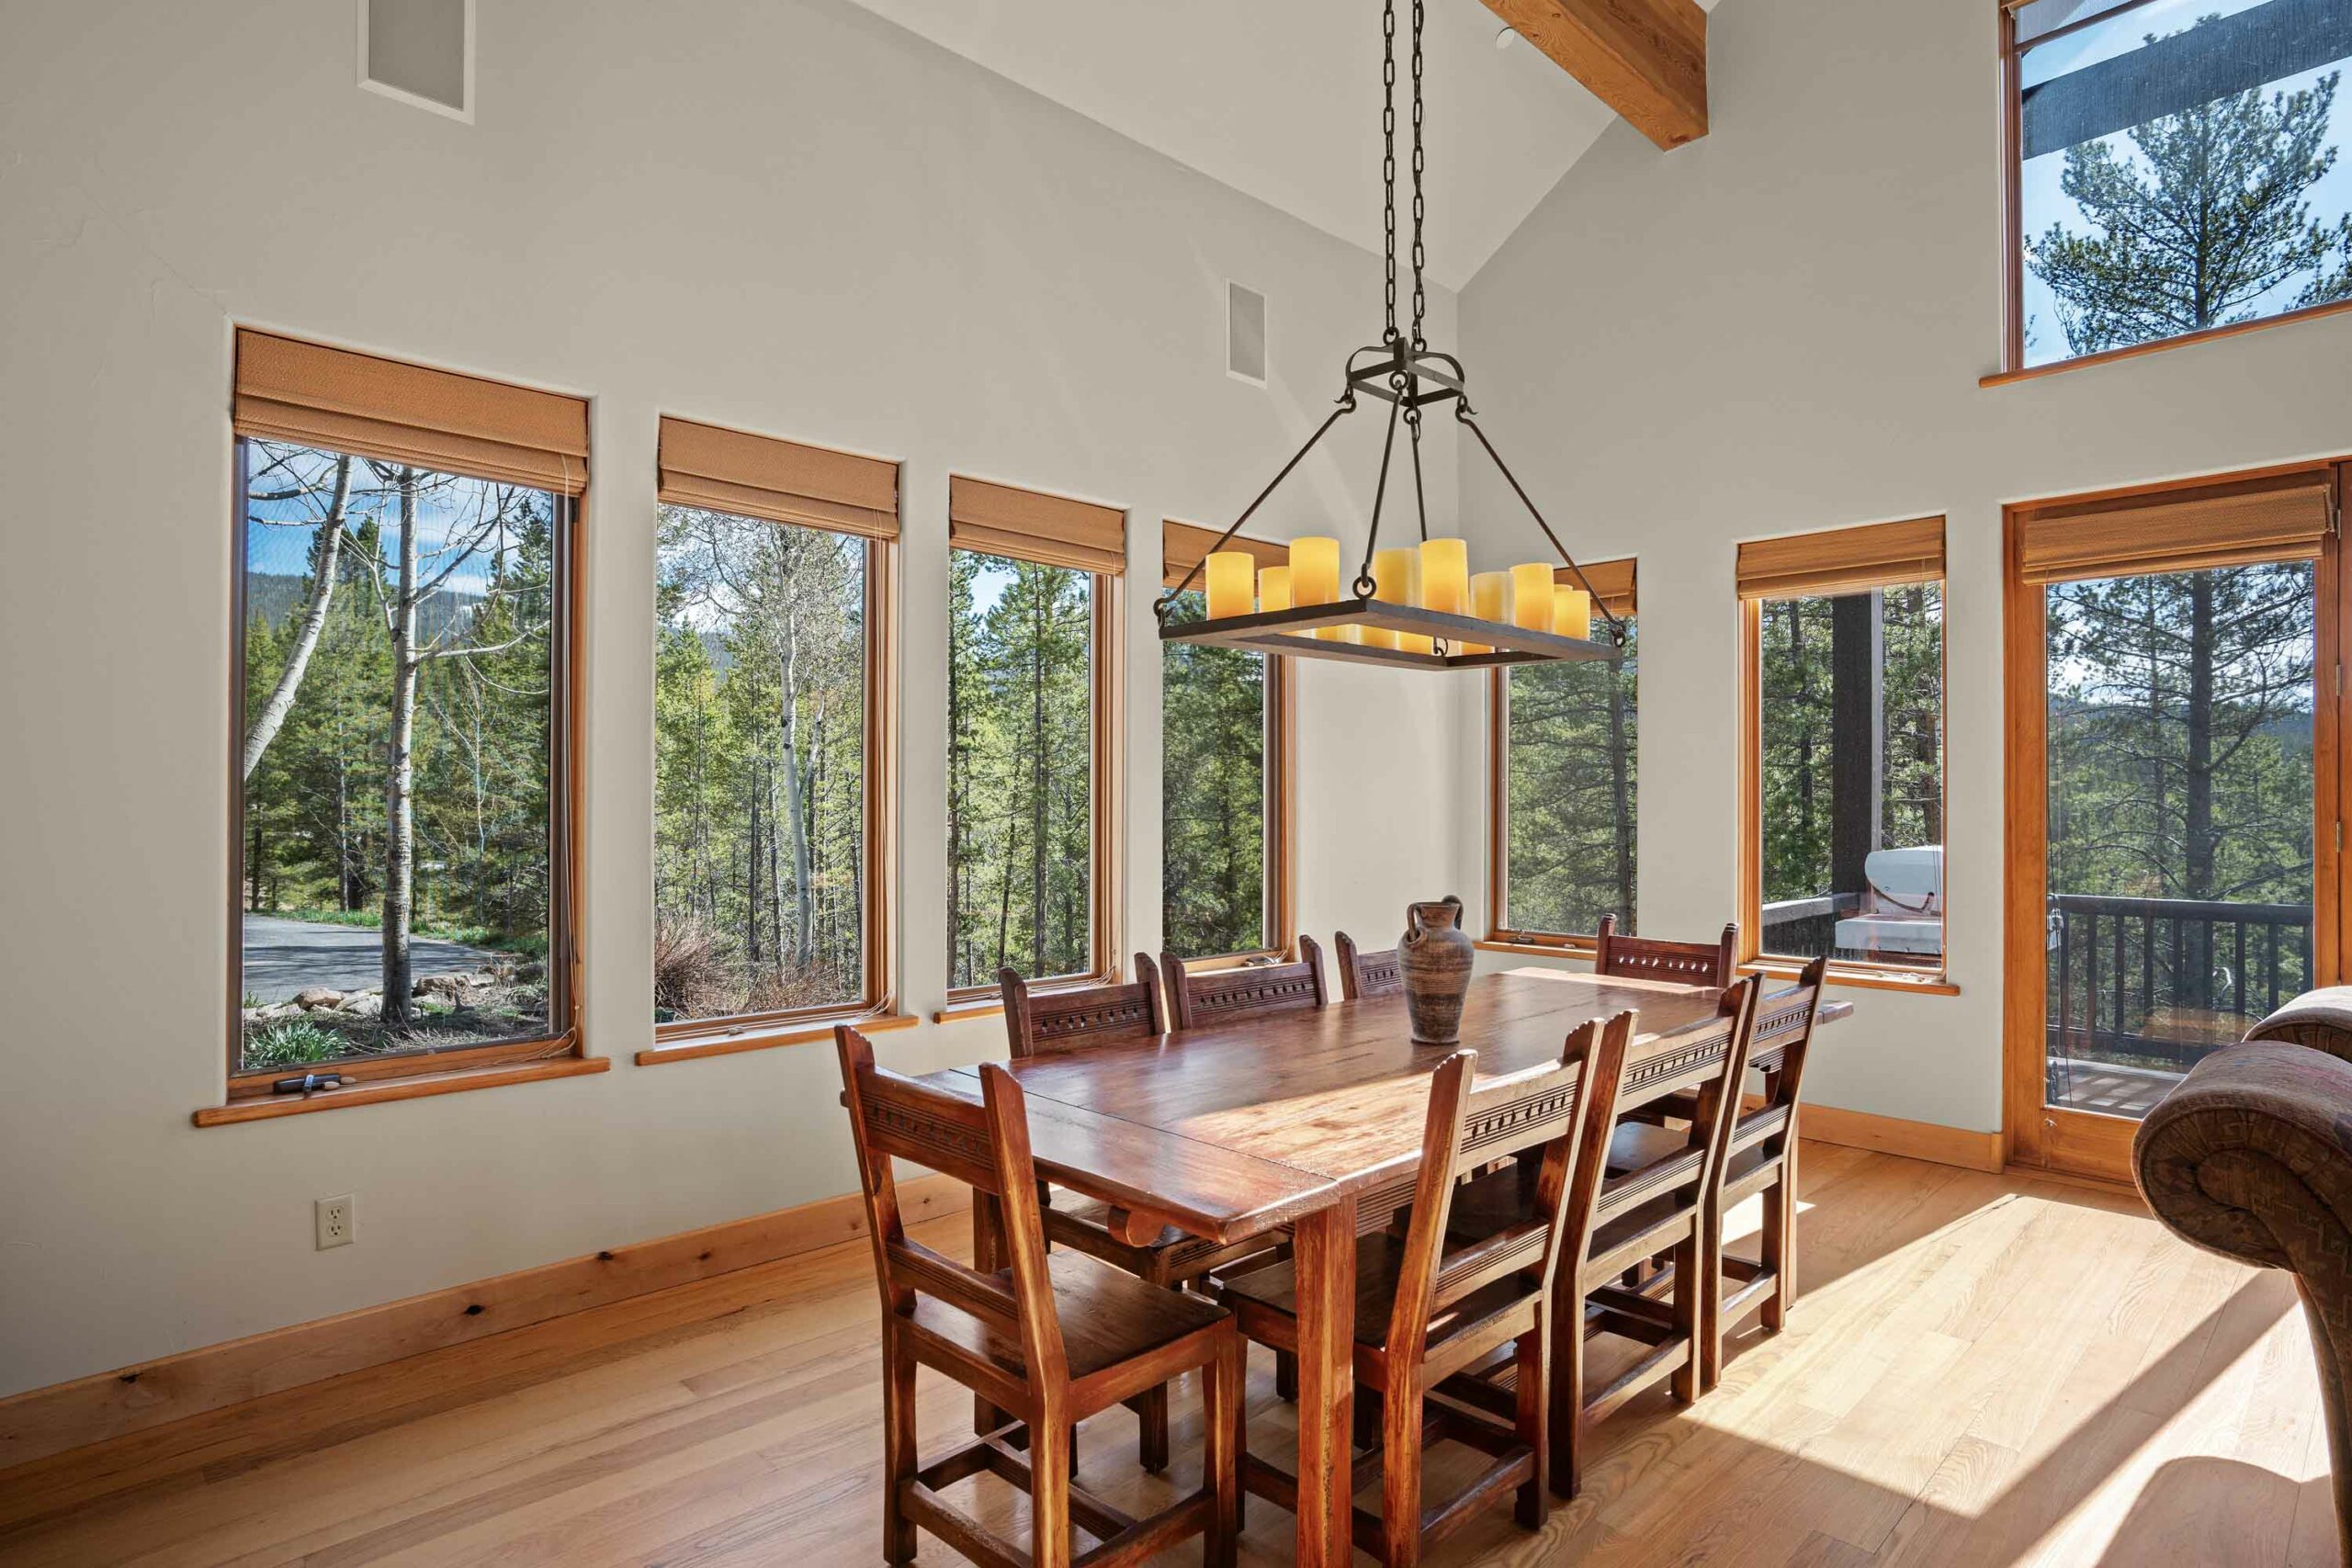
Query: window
x=403, y=699
x=2172, y=169
x=1562, y=817
x=1224, y=773
x=768, y=819
x=1842, y=749
x=1031, y=708
x=2173, y=791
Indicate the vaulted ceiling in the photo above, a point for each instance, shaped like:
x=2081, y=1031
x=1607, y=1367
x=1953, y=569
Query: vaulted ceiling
x=1281, y=99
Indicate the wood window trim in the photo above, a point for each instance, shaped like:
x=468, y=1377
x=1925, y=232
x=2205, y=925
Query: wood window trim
x=249, y=1095
x=2035, y=1135
x=1107, y=670
x=1618, y=581
x=1749, y=856
x=2014, y=368
x=691, y=1038
x=1183, y=545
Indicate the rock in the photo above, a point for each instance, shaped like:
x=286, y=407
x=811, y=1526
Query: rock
x=362, y=1004
x=318, y=997
x=441, y=985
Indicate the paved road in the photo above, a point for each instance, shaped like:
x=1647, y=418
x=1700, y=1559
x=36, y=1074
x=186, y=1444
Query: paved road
x=283, y=958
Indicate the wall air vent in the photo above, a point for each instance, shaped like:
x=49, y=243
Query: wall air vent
x=421, y=53
x=1245, y=334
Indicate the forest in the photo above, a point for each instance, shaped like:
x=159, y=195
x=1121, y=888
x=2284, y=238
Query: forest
x=1213, y=796
x=1020, y=769
x=2180, y=769
x=1571, y=858
x=396, y=752
x=759, y=716
x=1894, y=638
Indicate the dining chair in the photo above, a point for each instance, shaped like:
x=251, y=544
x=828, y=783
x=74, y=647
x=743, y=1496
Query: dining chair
x=1641, y=1193
x=1049, y=1337
x=1366, y=974
x=1222, y=995
x=1654, y=958
x=1425, y=1310
x=1040, y=1023
x=1763, y=1158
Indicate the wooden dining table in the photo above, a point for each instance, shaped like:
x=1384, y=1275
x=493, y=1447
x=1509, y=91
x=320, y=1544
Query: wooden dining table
x=1306, y=1120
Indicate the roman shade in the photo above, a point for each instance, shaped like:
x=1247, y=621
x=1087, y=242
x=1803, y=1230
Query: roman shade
x=1027, y=525
x=1184, y=546
x=1842, y=560
x=2286, y=517
x=719, y=470
x=1612, y=579
x=303, y=392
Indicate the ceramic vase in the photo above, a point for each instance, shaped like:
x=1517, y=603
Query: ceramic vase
x=1435, y=955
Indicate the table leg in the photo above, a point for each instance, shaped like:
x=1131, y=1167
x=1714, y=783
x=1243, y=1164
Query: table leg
x=1326, y=1263
x=986, y=1219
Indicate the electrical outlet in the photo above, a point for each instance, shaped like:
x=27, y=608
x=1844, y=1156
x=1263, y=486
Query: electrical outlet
x=334, y=1226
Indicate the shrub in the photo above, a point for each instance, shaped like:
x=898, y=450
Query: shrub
x=293, y=1042
x=690, y=975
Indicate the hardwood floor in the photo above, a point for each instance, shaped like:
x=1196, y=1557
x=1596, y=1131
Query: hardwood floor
x=1981, y=1370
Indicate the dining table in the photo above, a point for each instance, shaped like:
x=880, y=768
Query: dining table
x=1303, y=1120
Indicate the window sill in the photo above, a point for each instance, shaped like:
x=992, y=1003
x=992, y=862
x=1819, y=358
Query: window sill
x=693, y=1045
x=377, y=1091
x=1570, y=947
x=978, y=1007
x=1859, y=979
x=2135, y=351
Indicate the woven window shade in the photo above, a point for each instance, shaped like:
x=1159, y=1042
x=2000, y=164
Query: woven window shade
x=1612, y=579
x=998, y=520
x=2285, y=518
x=784, y=481
x=1842, y=560
x=290, y=391
x=1184, y=546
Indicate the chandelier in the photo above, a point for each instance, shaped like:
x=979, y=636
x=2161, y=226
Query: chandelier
x=1417, y=607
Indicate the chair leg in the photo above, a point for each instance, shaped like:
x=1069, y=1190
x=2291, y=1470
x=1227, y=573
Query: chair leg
x=1400, y=1470
x=1688, y=1322
x=1532, y=1354
x=1780, y=1254
x=1710, y=1348
x=1152, y=1428
x=1221, y=1409
x=1286, y=1376
x=1567, y=1391
x=1049, y=1460
x=986, y=1218
x=898, y=1450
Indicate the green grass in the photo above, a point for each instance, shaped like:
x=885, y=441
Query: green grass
x=293, y=1042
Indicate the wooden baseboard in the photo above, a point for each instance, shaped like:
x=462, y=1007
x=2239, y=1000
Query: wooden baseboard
x=45, y=1421
x=1928, y=1141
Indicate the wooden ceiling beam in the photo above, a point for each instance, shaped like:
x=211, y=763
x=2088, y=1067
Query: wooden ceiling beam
x=1645, y=58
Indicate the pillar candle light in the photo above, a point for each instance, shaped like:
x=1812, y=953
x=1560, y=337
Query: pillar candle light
x=1314, y=576
x=1232, y=574
x=1273, y=589
x=1489, y=592
x=1445, y=575
x=1392, y=575
x=1571, y=611
x=1530, y=597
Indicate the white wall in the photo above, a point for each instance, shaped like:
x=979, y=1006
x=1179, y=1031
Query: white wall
x=793, y=218
x=1781, y=328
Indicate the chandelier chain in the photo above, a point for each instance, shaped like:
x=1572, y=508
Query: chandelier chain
x=1388, y=155
x=1420, y=341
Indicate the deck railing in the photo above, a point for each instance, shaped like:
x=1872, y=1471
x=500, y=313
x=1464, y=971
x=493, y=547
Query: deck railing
x=1806, y=927
x=2162, y=982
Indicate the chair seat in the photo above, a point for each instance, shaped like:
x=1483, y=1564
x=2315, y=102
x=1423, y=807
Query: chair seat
x=1639, y=1145
x=1108, y=1317
x=1380, y=1259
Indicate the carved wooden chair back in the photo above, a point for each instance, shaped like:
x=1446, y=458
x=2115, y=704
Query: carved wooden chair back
x=1367, y=974
x=1540, y=1117
x=987, y=1145
x=1654, y=958
x=1040, y=1023
x=1224, y=995
x=1772, y=1123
